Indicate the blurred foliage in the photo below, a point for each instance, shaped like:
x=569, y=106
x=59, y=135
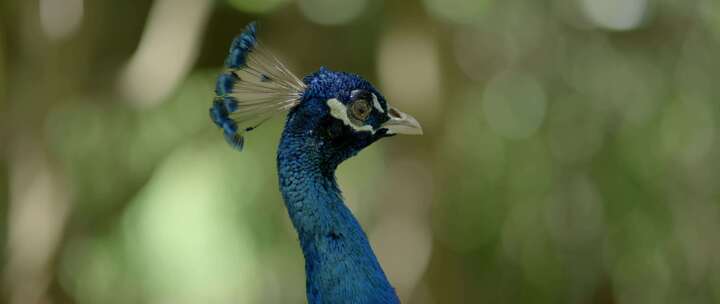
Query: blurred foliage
x=570, y=153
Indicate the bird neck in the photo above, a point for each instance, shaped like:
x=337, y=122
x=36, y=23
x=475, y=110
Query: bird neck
x=339, y=263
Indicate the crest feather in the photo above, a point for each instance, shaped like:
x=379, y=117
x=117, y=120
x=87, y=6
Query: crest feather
x=255, y=86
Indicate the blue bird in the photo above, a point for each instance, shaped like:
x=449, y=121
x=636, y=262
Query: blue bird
x=331, y=116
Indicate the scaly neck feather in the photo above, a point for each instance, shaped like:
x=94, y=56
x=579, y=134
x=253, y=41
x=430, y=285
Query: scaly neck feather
x=339, y=263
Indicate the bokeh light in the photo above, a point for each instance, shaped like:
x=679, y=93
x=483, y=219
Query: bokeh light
x=514, y=105
x=688, y=131
x=187, y=209
x=459, y=11
x=257, y=6
x=60, y=18
x=332, y=12
x=166, y=50
x=615, y=14
x=407, y=85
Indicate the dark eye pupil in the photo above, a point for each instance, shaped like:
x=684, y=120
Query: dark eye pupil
x=360, y=109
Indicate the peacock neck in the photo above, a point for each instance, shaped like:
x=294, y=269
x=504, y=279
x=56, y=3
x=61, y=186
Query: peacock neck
x=339, y=263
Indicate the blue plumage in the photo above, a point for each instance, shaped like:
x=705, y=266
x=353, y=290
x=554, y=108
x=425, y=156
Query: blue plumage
x=339, y=262
x=219, y=115
x=332, y=116
x=230, y=103
x=240, y=46
x=225, y=83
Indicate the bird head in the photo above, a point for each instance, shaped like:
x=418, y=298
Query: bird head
x=346, y=114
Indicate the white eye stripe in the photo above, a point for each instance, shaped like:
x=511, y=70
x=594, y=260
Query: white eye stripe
x=376, y=103
x=339, y=111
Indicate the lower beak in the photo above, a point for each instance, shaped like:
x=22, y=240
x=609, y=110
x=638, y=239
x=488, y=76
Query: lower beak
x=402, y=123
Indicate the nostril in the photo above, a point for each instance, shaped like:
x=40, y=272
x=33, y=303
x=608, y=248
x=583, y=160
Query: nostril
x=394, y=113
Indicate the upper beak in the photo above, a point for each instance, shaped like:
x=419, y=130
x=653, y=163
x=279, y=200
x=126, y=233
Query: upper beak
x=401, y=123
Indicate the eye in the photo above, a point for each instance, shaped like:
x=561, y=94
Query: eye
x=360, y=109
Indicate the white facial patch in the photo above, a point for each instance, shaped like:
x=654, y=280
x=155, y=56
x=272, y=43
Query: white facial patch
x=376, y=104
x=339, y=111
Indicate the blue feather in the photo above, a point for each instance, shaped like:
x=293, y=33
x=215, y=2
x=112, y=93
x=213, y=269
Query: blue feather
x=230, y=131
x=225, y=82
x=218, y=114
x=236, y=141
x=229, y=127
x=340, y=265
x=230, y=103
x=240, y=48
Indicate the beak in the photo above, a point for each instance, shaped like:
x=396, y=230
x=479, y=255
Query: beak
x=401, y=123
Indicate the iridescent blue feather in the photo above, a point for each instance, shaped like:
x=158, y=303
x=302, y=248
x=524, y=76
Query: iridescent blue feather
x=240, y=47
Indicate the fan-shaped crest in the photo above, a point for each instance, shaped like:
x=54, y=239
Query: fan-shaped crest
x=255, y=86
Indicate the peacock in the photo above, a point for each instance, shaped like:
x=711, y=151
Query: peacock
x=331, y=116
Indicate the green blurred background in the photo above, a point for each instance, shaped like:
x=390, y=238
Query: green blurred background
x=570, y=150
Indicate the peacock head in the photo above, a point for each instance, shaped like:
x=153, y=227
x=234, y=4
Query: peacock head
x=340, y=113
x=345, y=113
